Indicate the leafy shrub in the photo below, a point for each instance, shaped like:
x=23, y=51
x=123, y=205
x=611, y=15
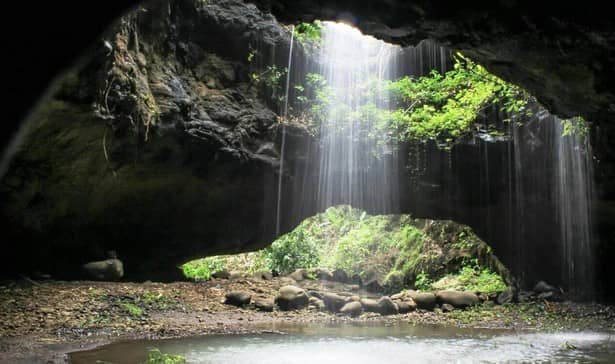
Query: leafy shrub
x=155, y=356
x=422, y=282
x=472, y=277
x=291, y=251
x=444, y=107
x=305, y=32
x=202, y=269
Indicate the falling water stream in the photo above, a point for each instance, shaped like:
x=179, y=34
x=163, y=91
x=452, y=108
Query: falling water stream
x=537, y=212
x=355, y=167
x=283, y=142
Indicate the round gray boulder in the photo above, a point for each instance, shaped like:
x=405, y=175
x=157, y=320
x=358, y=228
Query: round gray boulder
x=291, y=298
x=105, y=270
x=237, y=298
x=386, y=306
x=424, y=300
x=333, y=301
x=459, y=299
x=352, y=309
x=369, y=305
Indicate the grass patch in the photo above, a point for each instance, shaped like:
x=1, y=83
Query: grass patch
x=132, y=309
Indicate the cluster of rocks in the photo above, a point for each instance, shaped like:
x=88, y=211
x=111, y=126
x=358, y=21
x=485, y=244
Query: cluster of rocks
x=542, y=291
x=337, y=275
x=291, y=297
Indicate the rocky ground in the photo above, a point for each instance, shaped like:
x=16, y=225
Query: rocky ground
x=41, y=321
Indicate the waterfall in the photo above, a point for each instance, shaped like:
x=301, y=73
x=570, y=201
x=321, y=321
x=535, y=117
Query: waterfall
x=355, y=166
x=283, y=143
x=553, y=189
x=528, y=192
x=573, y=198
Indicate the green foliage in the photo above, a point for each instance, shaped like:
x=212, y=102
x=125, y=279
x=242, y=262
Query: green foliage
x=422, y=282
x=366, y=245
x=575, y=126
x=271, y=78
x=155, y=356
x=291, y=251
x=440, y=107
x=308, y=32
x=395, y=249
x=202, y=269
x=472, y=277
x=446, y=107
x=132, y=309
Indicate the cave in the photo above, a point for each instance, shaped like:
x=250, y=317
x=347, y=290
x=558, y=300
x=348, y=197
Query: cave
x=187, y=145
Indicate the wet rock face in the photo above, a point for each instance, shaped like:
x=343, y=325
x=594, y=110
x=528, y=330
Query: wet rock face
x=178, y=159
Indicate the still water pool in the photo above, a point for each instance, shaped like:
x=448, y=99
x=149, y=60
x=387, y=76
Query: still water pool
x=371, y=344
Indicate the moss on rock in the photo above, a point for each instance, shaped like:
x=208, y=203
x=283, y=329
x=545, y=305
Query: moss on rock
x=393, y=249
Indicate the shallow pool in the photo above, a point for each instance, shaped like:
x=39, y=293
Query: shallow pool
x=371, y=344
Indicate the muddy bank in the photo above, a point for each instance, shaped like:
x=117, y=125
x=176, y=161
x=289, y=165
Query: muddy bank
x=41, y=321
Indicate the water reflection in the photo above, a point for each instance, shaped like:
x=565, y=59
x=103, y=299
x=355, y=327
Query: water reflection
x=371, y=344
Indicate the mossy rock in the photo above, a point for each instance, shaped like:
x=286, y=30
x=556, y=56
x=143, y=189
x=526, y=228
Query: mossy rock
x=390, y=249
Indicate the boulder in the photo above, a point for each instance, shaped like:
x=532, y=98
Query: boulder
x=553, y=296
x=236, y=275
x=322, y=273
x=291, y=298
x=333, y=301
x=373, y=285
x=264, y=304
x=505, y=296
x=222, y=274
x=459, y=299
x=386, y=306
x=313, y=293
x=543, y=286
x=352, y=309
x=298, y=275
x=354, y=287
x=237, y=298
x=525, y=296
x=369, y=305
x=398, y=296
x=406, y=306
x=317, y=303
x=263, y=274
x=340, y=276
x=356, y=280
x=288, y=281
x=447, y=307
x=105, y=270
x=424, y=300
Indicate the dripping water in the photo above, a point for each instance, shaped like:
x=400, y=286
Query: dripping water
x=283, y=142
x=355, y=167
x=573, y=197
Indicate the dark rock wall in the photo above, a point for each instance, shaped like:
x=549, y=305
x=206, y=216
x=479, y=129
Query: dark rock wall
x=175, y=160
x=204, y=180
